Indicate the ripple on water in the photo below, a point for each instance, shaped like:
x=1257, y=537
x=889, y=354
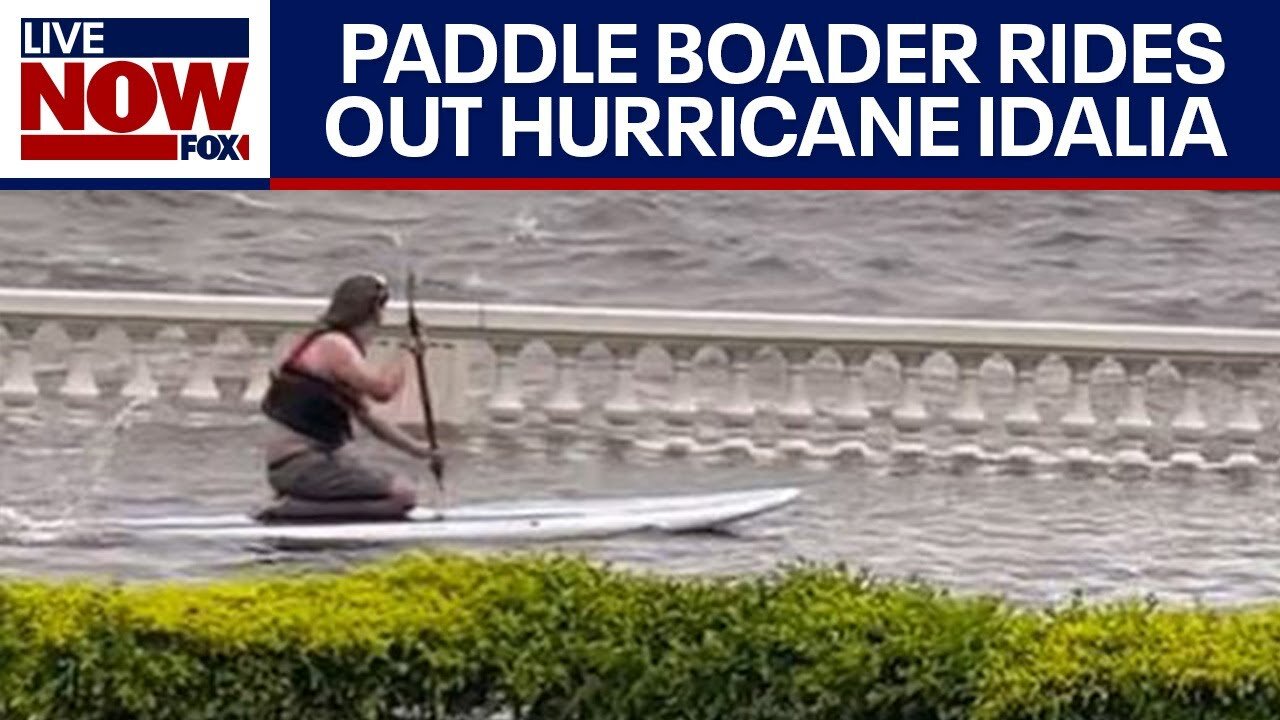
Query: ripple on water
x=1063, y=256
x=1033, y=539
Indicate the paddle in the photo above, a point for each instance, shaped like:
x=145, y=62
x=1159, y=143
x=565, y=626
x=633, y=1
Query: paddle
x=419, y=348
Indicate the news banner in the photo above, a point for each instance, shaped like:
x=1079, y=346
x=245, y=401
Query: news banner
x=662, y=95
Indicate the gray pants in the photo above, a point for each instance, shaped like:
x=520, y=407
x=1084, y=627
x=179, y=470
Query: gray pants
x=330, y=486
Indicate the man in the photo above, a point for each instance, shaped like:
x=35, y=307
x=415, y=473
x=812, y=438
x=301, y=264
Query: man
x=324, y=382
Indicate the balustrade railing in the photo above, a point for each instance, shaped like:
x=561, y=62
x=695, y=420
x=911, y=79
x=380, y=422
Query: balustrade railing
x=756, y=384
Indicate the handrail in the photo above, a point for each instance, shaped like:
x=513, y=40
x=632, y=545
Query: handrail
x=470, y=319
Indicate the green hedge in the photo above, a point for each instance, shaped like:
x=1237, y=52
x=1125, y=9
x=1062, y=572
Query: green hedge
x=545, y=637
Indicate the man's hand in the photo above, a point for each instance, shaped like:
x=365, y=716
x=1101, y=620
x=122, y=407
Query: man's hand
x=435, y=457
x=422, y=450
x=397, y=438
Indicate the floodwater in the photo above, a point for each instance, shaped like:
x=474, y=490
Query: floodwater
x=1185, y=258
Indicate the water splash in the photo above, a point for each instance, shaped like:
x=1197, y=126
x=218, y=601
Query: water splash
x=396, y=238
x=525, y=228
x=244, y=200
x=18, y=527
x=14, y=519
x=102, y=448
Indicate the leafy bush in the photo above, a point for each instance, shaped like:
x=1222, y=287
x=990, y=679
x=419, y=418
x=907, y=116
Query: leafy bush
x=1141, y=662
x=549, y=637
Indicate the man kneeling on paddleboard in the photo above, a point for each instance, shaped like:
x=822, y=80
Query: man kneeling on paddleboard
x=323, y=383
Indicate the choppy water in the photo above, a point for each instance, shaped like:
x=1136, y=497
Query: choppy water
x=1204, y=258
x=1162, y=257
x=1033, y=536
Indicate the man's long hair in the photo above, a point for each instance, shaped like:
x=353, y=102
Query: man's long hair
x=355, y=302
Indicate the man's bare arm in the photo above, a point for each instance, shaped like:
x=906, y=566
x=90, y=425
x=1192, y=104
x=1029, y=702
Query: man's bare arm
x=354, y=370
x=392, y=435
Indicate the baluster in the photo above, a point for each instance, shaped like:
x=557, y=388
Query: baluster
x=910, y=415
x=200, y=389
x=1023, y=417
x=1079, y=423
x=506, y=404
x=564, y=407
x=853, y=413
x=1245, y=426
x=739, y=411
x=169, y=361
x=113, y=361
x=968, y=418
x=262, y=342
x=1134, y=424
x=80, y=386
x=796, y=414
x=1189, y=427
x=20, y=386
x=623, y=408
x=141, y=385
x=682, y=408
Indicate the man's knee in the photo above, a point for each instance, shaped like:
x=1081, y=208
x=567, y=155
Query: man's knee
x=404, y=492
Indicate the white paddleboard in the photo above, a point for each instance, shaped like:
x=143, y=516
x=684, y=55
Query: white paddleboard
x=536, y=520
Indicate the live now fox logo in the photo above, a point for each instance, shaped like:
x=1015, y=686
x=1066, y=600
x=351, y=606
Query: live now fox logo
x=133, y=88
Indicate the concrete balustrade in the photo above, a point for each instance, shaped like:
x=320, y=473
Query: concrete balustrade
x=760, y=384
